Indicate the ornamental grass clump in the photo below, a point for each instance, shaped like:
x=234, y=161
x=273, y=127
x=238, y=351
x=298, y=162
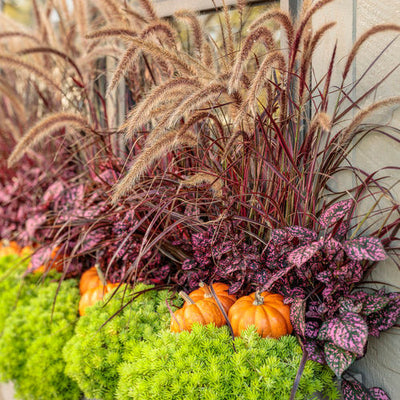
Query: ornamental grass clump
x=104, y=337
x=35, y=330
x=203, y=364
x=58, y=129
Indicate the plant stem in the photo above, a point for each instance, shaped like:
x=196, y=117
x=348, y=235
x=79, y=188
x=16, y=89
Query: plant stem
x=101, y=275
x=259, y=300
x=207, y=294
x=186, y=297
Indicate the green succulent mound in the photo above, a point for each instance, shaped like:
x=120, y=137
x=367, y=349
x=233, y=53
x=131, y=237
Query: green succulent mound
x=94, y=353
x=13, y=290
x=34, y=332
x=203, y=365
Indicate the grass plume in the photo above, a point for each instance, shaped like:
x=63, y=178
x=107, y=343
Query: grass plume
x=14, y=62
x=281, y=17
x=260, y=33
x=139, y=115
x=359, y=42
x=43, y=129
x=147, y=157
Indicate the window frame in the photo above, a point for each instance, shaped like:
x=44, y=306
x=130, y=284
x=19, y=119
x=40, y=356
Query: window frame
x=166, y=8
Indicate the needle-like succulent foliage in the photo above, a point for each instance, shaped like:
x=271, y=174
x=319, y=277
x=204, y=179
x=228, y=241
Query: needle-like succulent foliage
x=203, y=364
x=94, y=353
x=40, y=319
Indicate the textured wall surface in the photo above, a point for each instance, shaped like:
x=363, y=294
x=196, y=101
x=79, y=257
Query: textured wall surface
x=6, y=391
x=381, y=366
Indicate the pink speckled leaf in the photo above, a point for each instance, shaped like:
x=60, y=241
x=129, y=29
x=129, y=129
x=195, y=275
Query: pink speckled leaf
x=335, y=212
x=353, y=390
x=338, y=359
x=349, y=332
x=302, y=254
x=33, y=223
x=235, y=287
x=279, y=236
x=378, y=394
x=52, y=192
x=304, y=234
x=374, y=303
x=298, y=315
x=276, y=276
x=365, y=248
x=315, y=351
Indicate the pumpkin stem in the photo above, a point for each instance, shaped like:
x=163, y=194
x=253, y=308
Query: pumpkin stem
x=259, y=300
x=207, y=292
x=101, y=275
x=186, y=297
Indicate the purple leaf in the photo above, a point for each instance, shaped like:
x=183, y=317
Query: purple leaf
x=354, y=390
x=312, y=311
x=349, y=331
x=338, y=359
x=261, y=276
x=235, y=287
x=342, y=229
x=332, y=247
x=279, y=237
x=276, y=276
x=365, y=248
x=324, y=277
x=41, y=257
x=52, y=192
x=304, y=234
x=348, y=305
x=189, y=264
x=33, y=223
x=378, y=394
x=92, y=239
x=298, y=316
x=302, y=254
x=335, y=212
x=315, y=352
x=350, y=272
x=312, y=329
x=374, y=303
x=385, y=318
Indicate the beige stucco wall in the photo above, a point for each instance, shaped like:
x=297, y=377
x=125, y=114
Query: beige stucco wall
x=381, y=366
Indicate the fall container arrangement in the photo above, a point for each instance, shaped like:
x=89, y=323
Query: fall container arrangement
x=215, y=257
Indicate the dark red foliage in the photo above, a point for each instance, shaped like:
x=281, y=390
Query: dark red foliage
x=316, y=272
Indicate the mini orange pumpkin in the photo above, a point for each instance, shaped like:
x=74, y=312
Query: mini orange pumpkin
x=89, y=280
x=9, y=248
x=220, y=289
x=92, y=294
x=203, y=312
x=264, y=310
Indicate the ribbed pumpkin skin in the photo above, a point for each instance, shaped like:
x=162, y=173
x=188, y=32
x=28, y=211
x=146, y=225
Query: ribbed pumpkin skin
x=271, y=319
x=221, y=290
x=92, y=296
x=9, y=248
x=204, y=312
x=89, y=280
